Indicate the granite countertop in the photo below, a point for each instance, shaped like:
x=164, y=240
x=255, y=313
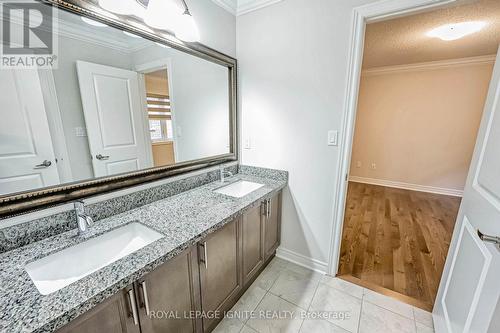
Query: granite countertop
x=184, y=219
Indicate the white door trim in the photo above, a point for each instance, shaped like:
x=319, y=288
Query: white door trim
x=145, y=119
x=56, y=125
x=377, y=11
x=153, y=66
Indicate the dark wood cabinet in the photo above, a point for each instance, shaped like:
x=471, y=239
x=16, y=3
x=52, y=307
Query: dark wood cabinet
x=220, y=271
x=114, y=315
x=208, y=277
x=272, y=225
x=252, y=242
x=168, y=297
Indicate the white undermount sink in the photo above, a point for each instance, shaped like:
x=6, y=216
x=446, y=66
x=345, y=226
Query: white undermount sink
x=239, y=188
x=62, y=268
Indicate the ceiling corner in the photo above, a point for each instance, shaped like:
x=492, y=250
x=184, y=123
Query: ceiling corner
x=229, y=5
x=246, y=6
x=240, y=7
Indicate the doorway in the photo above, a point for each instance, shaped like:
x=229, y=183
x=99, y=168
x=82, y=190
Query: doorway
x=405, y=178
x=157, y=88
x=160, y=120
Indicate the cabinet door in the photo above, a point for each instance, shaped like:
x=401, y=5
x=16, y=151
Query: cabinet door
x=169, y=295
x=114, y=315
x=272, y=228
x=252, y=231
x=220, y=272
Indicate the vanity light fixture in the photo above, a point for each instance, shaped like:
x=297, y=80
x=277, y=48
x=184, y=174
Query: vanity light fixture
x=121, y=7
x=169, y=15
x=456, y=31
x=93, y=22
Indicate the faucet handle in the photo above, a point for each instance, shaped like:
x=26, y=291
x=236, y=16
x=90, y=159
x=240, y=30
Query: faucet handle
x=89, y=220
x=79, y=207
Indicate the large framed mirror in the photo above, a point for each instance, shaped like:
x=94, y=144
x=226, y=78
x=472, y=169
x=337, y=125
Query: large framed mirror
x=123, y=104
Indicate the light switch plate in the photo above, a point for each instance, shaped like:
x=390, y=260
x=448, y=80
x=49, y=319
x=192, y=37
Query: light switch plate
x=248, y=143
x=333, y=137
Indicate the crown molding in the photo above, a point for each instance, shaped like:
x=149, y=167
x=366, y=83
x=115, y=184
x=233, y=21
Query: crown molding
x=81, y=33
x=431, y=65
x=240, y=7
x=84, y=33
x=229, y=5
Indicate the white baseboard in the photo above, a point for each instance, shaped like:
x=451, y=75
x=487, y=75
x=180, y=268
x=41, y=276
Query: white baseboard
x=407, y=186
x=301, y=260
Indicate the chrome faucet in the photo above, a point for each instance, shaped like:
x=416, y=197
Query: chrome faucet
x=83, y=220
x=224, y=173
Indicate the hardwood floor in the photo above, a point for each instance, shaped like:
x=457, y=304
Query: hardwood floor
x=397, y=239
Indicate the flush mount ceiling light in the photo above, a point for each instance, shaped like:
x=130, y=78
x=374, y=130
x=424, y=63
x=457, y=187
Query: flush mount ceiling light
x=122, y=7
x=92, y=22
x=455, y=31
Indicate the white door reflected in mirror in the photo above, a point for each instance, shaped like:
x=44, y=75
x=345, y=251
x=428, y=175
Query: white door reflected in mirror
x=115, y=123
x=28, y=159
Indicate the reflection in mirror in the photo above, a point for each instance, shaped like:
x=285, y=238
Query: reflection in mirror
x=116, y=103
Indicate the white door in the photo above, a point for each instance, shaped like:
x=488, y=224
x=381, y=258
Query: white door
x=114, y=118
x=26, y=154
x=470, y=286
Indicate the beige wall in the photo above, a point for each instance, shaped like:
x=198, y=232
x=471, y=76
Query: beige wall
x=419, y=127
x=163, y=153
x=157, y=85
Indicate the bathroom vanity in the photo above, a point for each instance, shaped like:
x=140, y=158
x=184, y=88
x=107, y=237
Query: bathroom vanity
x=201, y=282
x=212, y=247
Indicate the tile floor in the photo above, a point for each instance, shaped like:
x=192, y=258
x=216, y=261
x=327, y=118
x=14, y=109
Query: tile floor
x=298, y=296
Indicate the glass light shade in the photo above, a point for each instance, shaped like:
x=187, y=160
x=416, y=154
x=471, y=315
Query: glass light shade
x=122, y=7
x=163, y=14
x=456, y=31
x=186, y=29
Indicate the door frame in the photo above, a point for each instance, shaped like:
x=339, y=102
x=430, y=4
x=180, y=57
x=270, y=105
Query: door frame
x=56, y=126
x=378, y=11
x=152, y=66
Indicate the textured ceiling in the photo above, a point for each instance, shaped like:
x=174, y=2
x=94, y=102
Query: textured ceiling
x=404, y=41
